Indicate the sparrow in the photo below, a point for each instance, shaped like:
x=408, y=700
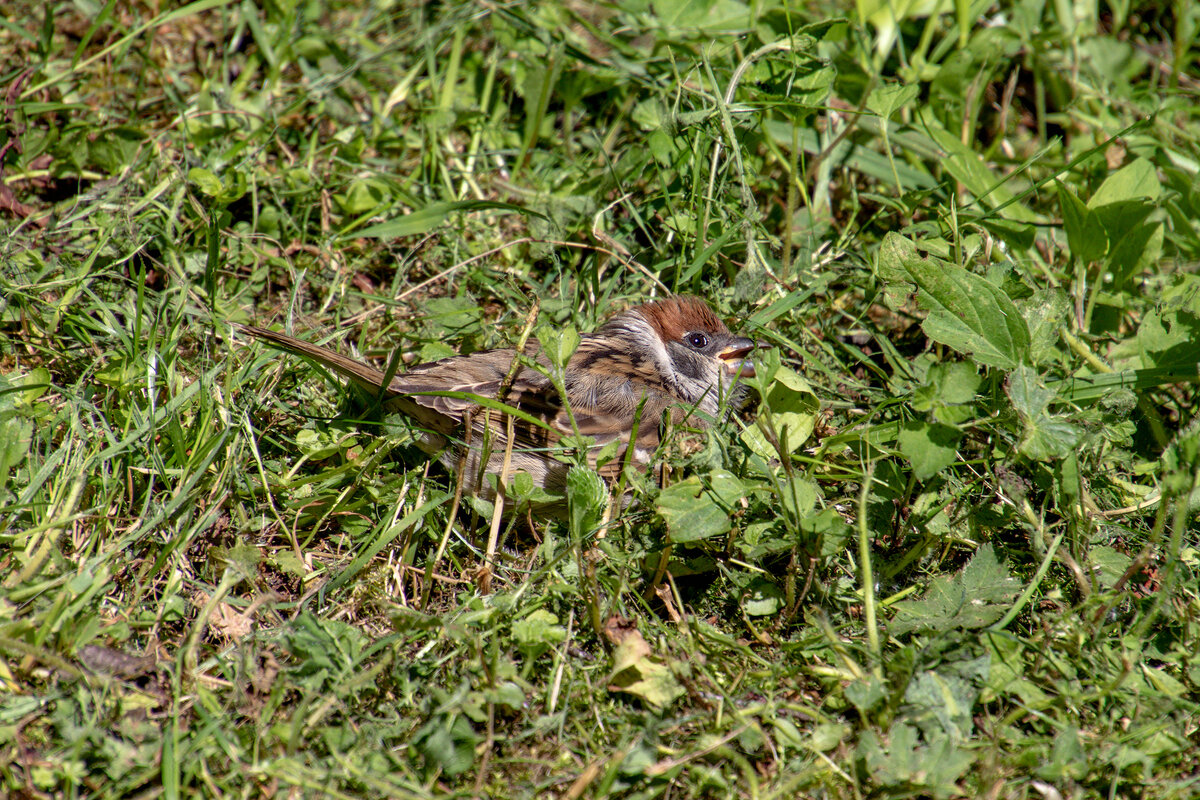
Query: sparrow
x=670, y=360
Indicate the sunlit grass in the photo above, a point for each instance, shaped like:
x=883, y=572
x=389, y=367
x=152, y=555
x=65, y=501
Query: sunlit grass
x=950, y=552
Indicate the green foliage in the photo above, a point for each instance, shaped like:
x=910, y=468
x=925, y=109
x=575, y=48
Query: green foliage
x=974, y=598
x=965, y=311
x=965, y=237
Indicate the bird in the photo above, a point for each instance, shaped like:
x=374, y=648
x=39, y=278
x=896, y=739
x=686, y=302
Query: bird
x=668, y=361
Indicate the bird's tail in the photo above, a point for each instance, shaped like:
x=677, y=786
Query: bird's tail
x=363, y=375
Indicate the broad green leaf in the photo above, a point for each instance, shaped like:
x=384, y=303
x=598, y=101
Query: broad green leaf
x=1134, y=251
x=664, y=147
x=1048, y=438
x=966, y=312
x=113, y=149
x=243, y=558
x=907, y=763
x=974, y=598
x=973, y=317
x=929, y=447
x=866, y=694
x=826, y=736
x=206, y=182
x=792, y=84
x=1068, y=758
x=711, y=16
x=952, y=383
x=289, y=562
x=558, y=343
x=1108, y=565
x=323, y=649
x=509, y=694
x=16, y=432
x=799, y=496
x=691, y=512
x=957, y=383
x=448, y=742
x=884, y=100
x=35, y=382
x=1085, y=235
x=521, y=489
x=16, y=435
x=789, y=408
x=1181, y=460
x=1134, y=242
x=1028, y=395
x=638, y=672
x=1164, y=682
x=725, y=487
x=827, y=532
x=894, y=254
x=364, y=195
x=1121, y=217
x=1044, y=314
x=318, y=445
x=1136, y=179
x=650, y=114
x=520, y=484
x=763, y=598
x=1168, y=338
x=947, y=698
x=1045, y=436
x=221, y=191
x=538, y=632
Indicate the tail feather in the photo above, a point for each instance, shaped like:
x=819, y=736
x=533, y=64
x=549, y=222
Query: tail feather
x=362, y=375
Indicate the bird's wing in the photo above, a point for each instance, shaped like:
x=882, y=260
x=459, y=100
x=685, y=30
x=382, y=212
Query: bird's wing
x=481, y=376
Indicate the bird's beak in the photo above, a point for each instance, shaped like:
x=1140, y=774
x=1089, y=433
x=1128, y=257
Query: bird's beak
x=734, y=356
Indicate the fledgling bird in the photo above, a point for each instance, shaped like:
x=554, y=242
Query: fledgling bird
x=674, y=358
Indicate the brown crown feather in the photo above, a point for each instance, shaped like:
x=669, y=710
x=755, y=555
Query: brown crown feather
x=675, y=316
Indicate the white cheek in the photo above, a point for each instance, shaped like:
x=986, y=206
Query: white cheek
x=658, y=348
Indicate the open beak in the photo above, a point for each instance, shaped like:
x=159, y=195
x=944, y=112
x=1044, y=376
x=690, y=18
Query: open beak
x=735, y=357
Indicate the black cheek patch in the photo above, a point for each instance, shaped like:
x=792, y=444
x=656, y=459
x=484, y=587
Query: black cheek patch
x=690, y=365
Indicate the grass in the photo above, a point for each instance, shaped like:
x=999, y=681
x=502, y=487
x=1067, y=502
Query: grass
x=951, y=551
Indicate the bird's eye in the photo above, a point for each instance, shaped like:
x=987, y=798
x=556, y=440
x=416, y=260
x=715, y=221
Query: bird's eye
x=696, y=340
